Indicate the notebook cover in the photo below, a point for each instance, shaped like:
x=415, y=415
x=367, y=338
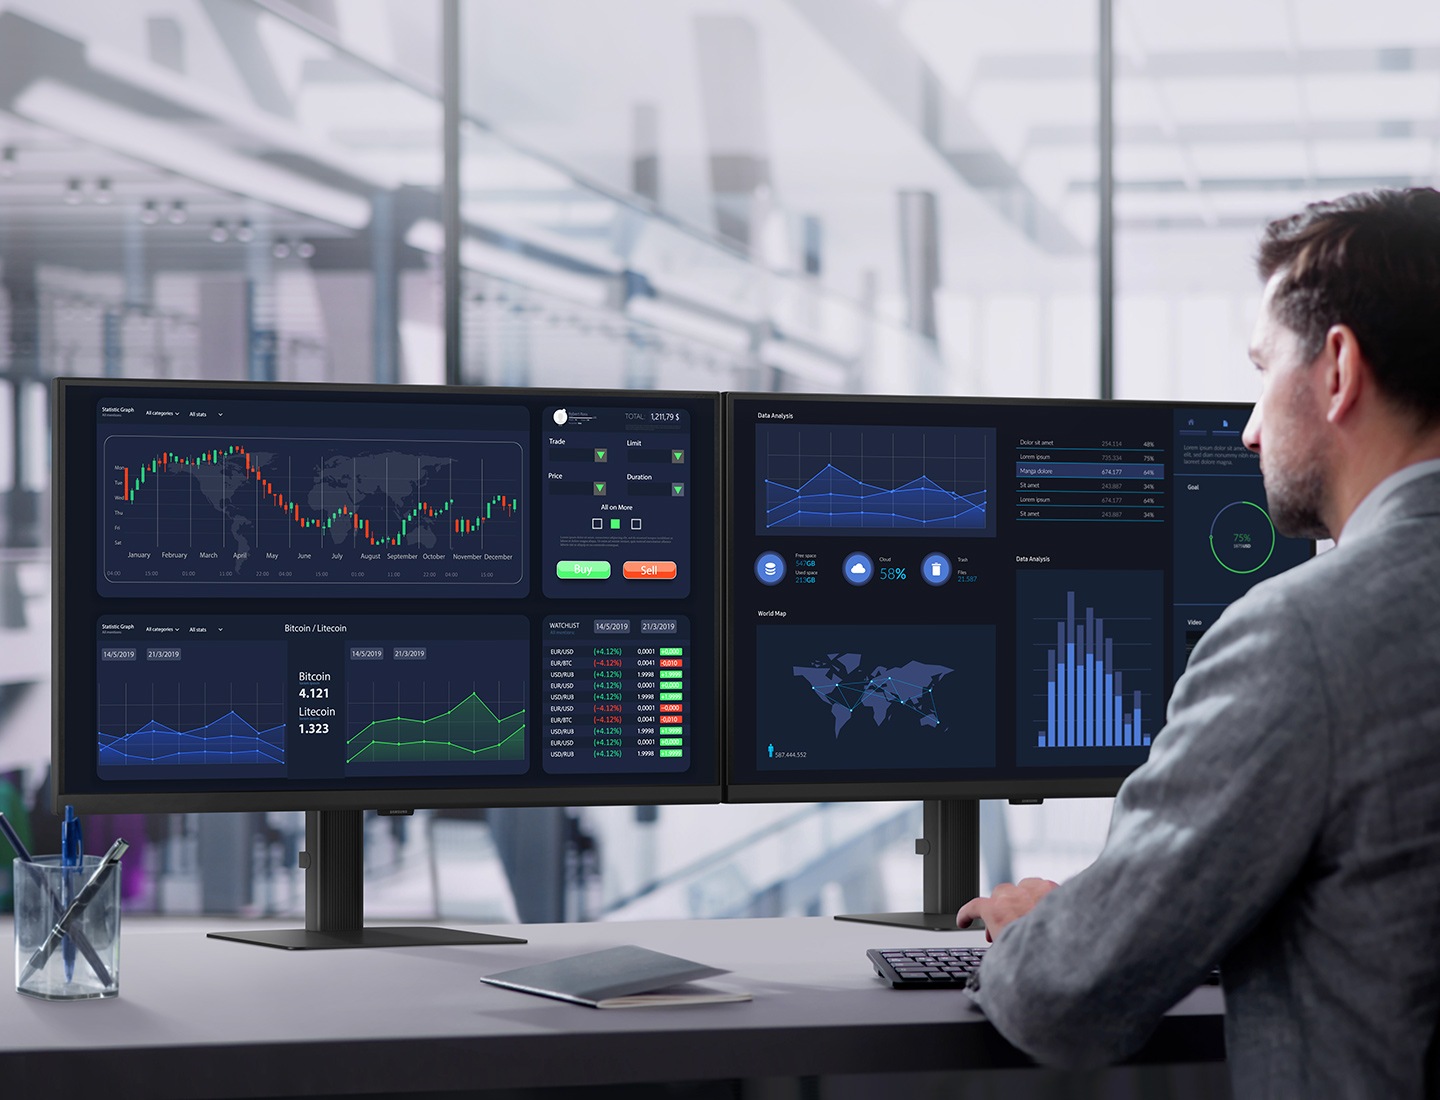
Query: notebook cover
x=613, y=972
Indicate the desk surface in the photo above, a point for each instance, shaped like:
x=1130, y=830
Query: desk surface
x=198, y=1017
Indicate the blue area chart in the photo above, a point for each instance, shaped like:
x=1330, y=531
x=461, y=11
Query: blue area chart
x=191, y=709
x=878, y=480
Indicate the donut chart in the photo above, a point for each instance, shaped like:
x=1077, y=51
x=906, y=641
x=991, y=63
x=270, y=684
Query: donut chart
x=1242, y=537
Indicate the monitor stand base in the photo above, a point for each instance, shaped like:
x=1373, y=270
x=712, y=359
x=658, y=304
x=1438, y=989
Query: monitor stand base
x=301, y=939
x=933, y=922
x=335, y=898
x=951, y=849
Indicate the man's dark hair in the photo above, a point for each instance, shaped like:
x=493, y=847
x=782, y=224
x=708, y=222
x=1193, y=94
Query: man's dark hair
x=1370, y=260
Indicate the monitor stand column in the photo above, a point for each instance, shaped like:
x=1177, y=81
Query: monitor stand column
x=951, y=850
x=335, y=897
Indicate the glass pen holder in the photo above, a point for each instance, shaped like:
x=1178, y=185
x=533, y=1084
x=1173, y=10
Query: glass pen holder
x=84, y=963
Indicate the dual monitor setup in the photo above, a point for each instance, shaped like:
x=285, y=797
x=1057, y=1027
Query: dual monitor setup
x=341, y=598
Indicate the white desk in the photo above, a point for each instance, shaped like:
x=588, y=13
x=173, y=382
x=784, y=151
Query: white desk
x=198, y=1017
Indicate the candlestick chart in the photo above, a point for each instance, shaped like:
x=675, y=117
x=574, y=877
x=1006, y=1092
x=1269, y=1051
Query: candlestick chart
x=322, y=512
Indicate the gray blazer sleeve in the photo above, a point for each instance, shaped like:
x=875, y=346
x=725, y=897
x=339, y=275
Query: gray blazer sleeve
x=1206, y=837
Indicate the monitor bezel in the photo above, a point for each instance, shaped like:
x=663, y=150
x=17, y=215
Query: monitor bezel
x=884, y=790
x=390, y=799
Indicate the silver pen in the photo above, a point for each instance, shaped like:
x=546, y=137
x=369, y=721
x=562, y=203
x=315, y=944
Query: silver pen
x=82, y=899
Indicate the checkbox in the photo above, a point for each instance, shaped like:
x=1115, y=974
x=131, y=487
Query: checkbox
x=614, y=525
x=677, y=489
x=599, y=488
x=634, y=525
x=602, y=454
x=597, y=524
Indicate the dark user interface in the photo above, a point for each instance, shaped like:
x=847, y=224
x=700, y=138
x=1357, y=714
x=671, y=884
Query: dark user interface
x=312, y=590
x=929, y=591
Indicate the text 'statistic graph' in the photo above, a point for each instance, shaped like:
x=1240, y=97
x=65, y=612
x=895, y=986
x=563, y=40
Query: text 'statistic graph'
x=877, y=480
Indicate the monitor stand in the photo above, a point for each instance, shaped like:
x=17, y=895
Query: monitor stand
x=951, y=849
x=335, y=897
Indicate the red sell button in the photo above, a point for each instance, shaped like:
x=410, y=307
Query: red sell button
x=649, y=570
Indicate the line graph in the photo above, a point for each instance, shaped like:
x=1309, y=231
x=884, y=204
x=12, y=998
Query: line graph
x=191, y=708
x=880, y=480
x=438, y=707
x=229, y=738
x=310, y=510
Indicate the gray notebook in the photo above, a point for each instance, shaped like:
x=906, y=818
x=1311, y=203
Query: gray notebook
x=618, y=977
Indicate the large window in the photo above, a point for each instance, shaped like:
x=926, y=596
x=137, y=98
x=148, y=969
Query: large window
x=804, y=195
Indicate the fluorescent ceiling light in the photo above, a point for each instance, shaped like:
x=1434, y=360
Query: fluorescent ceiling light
x=282, y=136
x=488, y=259
x=166, y=145
x=729, y=336
x=801, y=362
x=683, y=289
x=506, y=221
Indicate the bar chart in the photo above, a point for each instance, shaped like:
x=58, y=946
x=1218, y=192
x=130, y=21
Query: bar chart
x=1084, y=691
x=1092, y=647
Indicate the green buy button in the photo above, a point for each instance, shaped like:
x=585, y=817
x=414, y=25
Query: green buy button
x=582, y=570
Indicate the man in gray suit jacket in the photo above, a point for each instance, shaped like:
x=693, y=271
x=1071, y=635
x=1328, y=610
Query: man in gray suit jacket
x=1287, y=823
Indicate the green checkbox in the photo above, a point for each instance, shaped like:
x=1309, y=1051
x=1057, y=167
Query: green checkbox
x=614, y=525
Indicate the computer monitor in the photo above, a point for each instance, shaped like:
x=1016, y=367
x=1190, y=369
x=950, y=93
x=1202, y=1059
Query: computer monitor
x=339, y=598
x=955, y=599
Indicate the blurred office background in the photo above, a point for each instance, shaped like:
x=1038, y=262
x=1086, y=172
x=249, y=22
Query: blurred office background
x=889, y=196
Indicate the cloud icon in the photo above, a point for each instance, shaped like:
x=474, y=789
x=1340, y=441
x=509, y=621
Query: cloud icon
x=858, y=567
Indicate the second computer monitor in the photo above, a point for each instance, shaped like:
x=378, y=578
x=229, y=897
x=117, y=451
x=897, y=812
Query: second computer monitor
x=937, y=598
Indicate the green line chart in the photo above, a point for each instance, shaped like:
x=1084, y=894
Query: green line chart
x=433, y=708
x=468, y=729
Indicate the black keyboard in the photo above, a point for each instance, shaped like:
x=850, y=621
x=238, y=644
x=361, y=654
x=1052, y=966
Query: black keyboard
x=926, y=967
x=943, y=967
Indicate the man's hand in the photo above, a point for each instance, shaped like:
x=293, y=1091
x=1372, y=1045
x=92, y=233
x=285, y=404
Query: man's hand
x=1009, y=903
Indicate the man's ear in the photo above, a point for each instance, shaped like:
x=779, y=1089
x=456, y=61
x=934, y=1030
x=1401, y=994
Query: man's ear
x=1347, y=373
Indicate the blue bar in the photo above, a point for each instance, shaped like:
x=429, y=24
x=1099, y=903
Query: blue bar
x=1120, y=708
x=1090, y=738
x=1110, y=730
x=1070, y=728
x=1136, y=718
x=1049, y=739
x=1070, y=694
x=1059, y=684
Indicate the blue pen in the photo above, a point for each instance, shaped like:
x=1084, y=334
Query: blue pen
x=97, y=964
x=72, y=856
